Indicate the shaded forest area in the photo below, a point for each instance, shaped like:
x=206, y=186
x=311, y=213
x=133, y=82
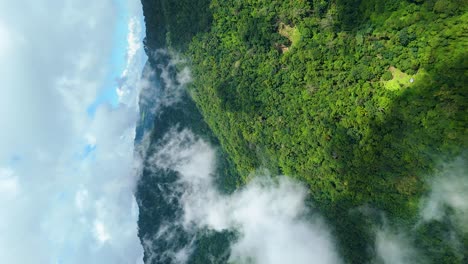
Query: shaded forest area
x=362, y=100
x=159, y=206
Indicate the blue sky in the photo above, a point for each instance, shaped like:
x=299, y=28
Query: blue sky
x=67, y=170
x=116, y=66
x=117, y=60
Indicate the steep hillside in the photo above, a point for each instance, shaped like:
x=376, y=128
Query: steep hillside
x=361, y=100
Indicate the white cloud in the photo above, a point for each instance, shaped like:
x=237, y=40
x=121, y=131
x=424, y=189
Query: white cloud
x=9, y=186
x=81, y=199
x=174, y=88
x=133, y=69
x=5, y=40
x=57, y=205
x=133, y=38
x=395, y=248
x=100, y=232
x=274, y=224
x=449, y=189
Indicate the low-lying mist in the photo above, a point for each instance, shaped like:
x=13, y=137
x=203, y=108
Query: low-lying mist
x=268, y=214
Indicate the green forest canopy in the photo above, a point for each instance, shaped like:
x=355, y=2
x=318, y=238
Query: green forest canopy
x=359, y=99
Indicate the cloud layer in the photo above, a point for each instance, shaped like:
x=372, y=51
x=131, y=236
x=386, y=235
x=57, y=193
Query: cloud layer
x=66, y=178
x=273, y=223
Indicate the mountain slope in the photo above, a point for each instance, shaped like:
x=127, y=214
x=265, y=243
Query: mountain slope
x=360, y=100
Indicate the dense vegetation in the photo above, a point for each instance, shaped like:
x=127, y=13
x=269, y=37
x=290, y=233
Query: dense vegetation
x=156, y=193
x=359, y=99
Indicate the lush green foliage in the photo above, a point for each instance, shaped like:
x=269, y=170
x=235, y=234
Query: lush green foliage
x=174, y=22
x=350, y=107
x=359, y=99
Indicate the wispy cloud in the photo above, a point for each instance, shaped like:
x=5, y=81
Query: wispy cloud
x=9, y=185
x=134, y=68
x=445, y=205
x=449, y=192
x=394, y=247
x=5, y=40
x=170, y=83
x=273, y=223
